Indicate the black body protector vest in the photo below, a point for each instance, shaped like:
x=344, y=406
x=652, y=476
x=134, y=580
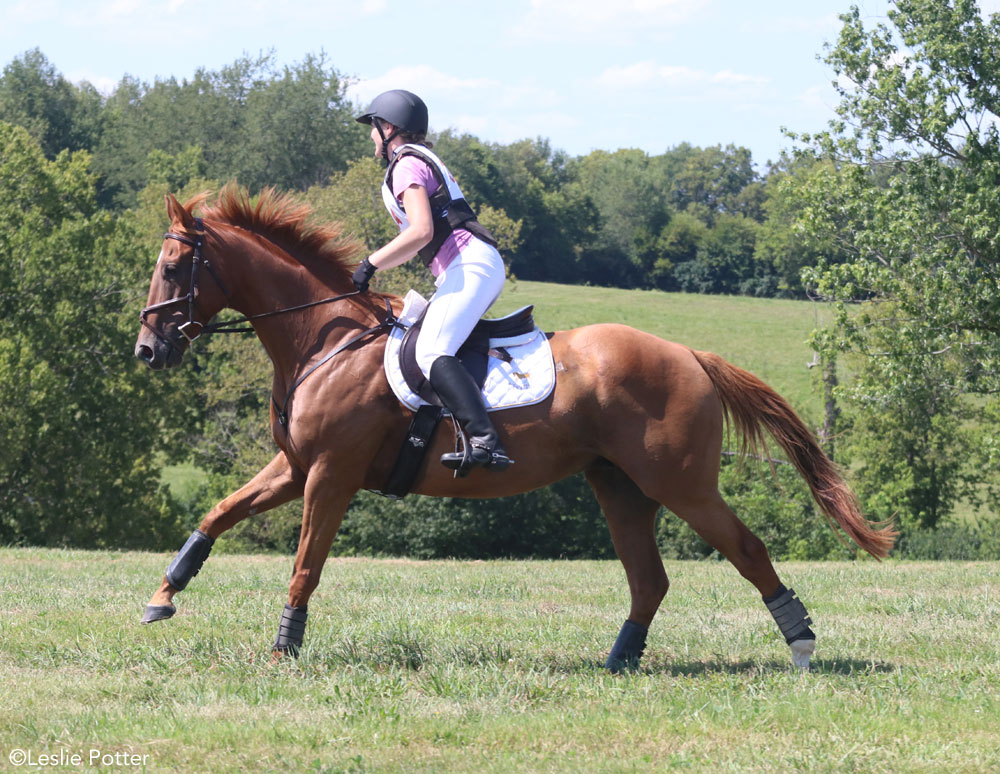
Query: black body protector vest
x=449, y=209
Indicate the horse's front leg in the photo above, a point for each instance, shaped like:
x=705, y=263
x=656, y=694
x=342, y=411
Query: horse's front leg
x=325, y=505
x=275, y=484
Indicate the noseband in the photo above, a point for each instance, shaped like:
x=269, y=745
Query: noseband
x=191, y=329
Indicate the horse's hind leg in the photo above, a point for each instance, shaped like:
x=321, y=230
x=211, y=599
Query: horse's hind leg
x=716, y=523
x=631, y=517
x=277, y=483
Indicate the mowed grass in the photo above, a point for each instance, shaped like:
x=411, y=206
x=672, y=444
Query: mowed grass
x=766, y=336
x=495, y=667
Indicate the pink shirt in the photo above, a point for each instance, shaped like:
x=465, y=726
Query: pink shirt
x=412, y=170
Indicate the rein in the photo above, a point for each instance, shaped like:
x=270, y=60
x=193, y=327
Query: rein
x=231, y=326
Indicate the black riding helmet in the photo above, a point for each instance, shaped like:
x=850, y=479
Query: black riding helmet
x=403, y=109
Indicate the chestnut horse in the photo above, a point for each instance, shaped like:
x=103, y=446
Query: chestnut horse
x=643, y=418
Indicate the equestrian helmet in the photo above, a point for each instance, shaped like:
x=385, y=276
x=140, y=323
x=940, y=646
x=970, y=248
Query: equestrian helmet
x=403, y=109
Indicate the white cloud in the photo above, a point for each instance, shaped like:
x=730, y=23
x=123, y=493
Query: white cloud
x=824, y=24
x=605, y=20
x=129, y=16
x=500, y=127
x=117, y=9
x=729, y=78
x=435, y=85
x=420, y=79
x=649, y=74
x=493, y=110
x=817, y=98
x=102, y=83
x=27, y=12
x=646, y=73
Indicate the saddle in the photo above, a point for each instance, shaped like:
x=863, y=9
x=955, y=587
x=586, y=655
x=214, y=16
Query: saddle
x=474, y=353
x=485, y=354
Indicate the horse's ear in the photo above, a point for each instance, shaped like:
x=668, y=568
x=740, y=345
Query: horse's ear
x=177, y=213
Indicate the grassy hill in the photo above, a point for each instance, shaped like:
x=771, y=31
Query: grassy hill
x=763, y=335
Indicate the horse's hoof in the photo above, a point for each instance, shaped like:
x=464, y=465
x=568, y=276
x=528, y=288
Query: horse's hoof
x=618, y=666
x=802, y=651
x=157, y=613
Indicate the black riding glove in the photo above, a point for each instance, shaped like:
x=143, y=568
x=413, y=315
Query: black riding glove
x=363, y=275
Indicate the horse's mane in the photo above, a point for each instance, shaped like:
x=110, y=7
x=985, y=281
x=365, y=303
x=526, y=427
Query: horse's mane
x=282, y=220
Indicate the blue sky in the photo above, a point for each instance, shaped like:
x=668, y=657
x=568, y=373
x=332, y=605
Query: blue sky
x=586, y=74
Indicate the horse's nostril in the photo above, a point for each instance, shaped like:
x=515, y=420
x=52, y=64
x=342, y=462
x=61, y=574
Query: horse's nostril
x=144, y=353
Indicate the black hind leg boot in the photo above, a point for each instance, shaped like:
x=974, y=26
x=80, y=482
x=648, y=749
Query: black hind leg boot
x=461, y=396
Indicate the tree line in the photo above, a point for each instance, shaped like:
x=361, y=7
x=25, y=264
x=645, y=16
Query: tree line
x=690, y=219
x=891, y=215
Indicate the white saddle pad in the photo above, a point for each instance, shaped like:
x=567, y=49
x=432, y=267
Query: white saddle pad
x=528, y=379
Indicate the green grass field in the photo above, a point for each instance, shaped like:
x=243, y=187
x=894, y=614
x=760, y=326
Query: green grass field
x=766, y=336
x=494, y=667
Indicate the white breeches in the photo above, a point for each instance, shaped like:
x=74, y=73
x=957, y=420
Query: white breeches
x=466, y=289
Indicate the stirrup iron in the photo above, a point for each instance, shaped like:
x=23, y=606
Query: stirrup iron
x=464, y=458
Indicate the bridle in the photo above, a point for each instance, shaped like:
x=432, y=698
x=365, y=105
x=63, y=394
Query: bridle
x=192, y=329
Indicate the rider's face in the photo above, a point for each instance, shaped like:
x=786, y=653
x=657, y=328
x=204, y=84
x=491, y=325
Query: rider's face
x=377, y=139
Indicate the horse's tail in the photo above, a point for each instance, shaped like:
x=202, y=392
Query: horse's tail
x=752, y=406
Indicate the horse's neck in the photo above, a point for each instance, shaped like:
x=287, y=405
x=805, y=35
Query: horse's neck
x=266, y=283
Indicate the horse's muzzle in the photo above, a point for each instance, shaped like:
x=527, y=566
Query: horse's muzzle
x=159, y=354
x=146, y=355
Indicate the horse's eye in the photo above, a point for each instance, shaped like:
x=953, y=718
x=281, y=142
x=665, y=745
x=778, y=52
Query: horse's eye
x=170, y=271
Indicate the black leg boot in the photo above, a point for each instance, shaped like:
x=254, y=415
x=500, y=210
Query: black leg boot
x=460, y=395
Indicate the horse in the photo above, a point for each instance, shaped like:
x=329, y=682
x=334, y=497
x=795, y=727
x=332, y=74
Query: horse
x=643, y=418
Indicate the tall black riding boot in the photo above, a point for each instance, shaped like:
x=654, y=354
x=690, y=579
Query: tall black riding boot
x=460, y=395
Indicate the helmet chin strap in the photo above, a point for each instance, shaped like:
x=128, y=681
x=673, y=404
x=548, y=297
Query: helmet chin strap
x=385, y=140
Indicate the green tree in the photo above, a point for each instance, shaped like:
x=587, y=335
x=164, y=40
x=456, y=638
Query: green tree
x=290, y=127
x=781, y=247
x=631, y=200
x=506, y=230
x=559, y=521
x=353, y=199
x=721, y=179
x=679, y=243
x=911, y=453
x=727, y=252
x=54, y=111
x=80, y=425
x=300, y=127
x=178, y=170
x=909, y=193
x=526, y=181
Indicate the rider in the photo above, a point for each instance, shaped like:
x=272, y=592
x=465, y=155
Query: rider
x=436, y=222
